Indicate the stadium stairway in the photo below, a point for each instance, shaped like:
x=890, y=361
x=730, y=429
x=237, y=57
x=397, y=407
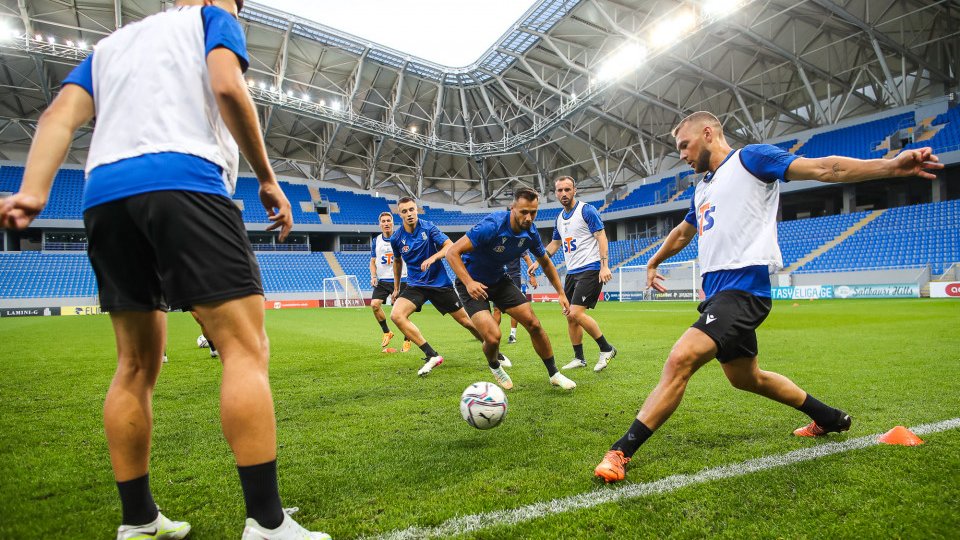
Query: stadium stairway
x=823, y=248
x=334, y=263
x=655, y=244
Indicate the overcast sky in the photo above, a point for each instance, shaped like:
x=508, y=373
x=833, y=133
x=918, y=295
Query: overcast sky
x=452, y=33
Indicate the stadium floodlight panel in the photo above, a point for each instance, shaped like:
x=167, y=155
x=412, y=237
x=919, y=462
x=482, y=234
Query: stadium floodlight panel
x=720, y=8
x=671, y=30
x=623, y=61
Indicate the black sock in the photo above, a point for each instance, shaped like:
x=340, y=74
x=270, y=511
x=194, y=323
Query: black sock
x=604, y=346
x=260, y=493
x=213, y=348
x=633, y=438
x=428, y=350
x=578, y=351
x=137, y=501
x=495, y=363
x=383, y=325
x=821, y=413
x=551, y=365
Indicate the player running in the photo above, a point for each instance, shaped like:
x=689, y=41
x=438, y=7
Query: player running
x=381, y=278
x=421, y=245
x=579, y=231
x=734, y=212
x=478, y=259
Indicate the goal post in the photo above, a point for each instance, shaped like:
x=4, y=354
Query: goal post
x=342, y=291
x=681, y=279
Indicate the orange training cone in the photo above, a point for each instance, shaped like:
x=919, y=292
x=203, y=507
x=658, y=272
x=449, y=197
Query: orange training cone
x=389, y=350
x=900, y=436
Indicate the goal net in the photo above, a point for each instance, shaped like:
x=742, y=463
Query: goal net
x=342, y=291
x=681, y=280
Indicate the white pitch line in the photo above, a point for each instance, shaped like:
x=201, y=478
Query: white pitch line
x=465, y=524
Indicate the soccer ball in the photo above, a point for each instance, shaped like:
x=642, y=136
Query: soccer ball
x=202, y=342
x=483, y=405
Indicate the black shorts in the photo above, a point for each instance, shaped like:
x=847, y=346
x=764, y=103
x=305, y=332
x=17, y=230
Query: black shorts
x=384, y=290
x=583, y=288
x=515, y=278
x=170, y=250
x=731, y=318
x=445, y=299
x=504, y=294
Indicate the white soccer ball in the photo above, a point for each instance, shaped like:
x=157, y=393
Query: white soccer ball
x=483, y=405
x=202, y=342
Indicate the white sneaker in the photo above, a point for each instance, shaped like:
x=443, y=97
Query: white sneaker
x=604, y=358
x=160, y=528
x=288, y=530
x=502, y=378
x=575, y=363
x=504, y=361
x=429, y=365
x=559, y=379
x=512, y=339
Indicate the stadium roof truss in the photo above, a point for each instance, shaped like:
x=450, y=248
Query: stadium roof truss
x=541, y=101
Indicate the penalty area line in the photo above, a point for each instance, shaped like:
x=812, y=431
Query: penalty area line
x=466, y=524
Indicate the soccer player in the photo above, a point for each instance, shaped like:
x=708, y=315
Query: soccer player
x=422, y=245
x=478, y=259
x=381, y=277
x=172, y=108
x=579, y=231
x=513, y=270
x=734, y=212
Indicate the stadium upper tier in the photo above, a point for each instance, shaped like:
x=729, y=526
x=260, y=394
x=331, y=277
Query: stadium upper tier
x=863, y=140
x=924, y=234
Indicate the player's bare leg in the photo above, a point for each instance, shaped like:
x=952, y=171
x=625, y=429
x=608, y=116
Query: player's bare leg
x=128, y=407
x=461, y=317
x=745, y=374
x=376, y=305
x=400, y=315
x=691, y=352
x=246, y=403
x=541, y=343
x=490, y=335
x=579, y=320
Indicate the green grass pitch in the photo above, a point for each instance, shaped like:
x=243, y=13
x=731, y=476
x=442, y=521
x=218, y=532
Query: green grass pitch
x=367, y=448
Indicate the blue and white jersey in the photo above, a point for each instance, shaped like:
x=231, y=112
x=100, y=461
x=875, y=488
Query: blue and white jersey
x=158, y=123
x=495, y=244
x=575, y=229
x=425, y=241
x=735, y=212
x=382, y=253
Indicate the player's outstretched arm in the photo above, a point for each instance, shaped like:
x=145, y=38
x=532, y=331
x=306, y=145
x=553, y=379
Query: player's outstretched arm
x=838, y=169
x=436, y=256
x=679, y=237
x=550, y=271
x=240, y=116
x=72, y=108
x=477, y=290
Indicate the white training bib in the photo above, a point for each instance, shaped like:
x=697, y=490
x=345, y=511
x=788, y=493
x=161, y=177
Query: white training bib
x=737, y=219
x=152, y=94
x=384, y=256
x=580, y=247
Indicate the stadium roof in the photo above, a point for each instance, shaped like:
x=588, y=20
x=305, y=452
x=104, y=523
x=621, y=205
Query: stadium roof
x=583, y=87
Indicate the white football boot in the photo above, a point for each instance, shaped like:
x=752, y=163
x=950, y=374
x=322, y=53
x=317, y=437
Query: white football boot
x=604, y=358
x=575, y=363
x=429, y=365
x=559, y=379
x=160, y=529
x=288, y=530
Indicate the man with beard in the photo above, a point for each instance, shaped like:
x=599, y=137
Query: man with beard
x=734, y=212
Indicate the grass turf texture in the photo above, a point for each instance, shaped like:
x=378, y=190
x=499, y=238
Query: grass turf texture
x=367, y=448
